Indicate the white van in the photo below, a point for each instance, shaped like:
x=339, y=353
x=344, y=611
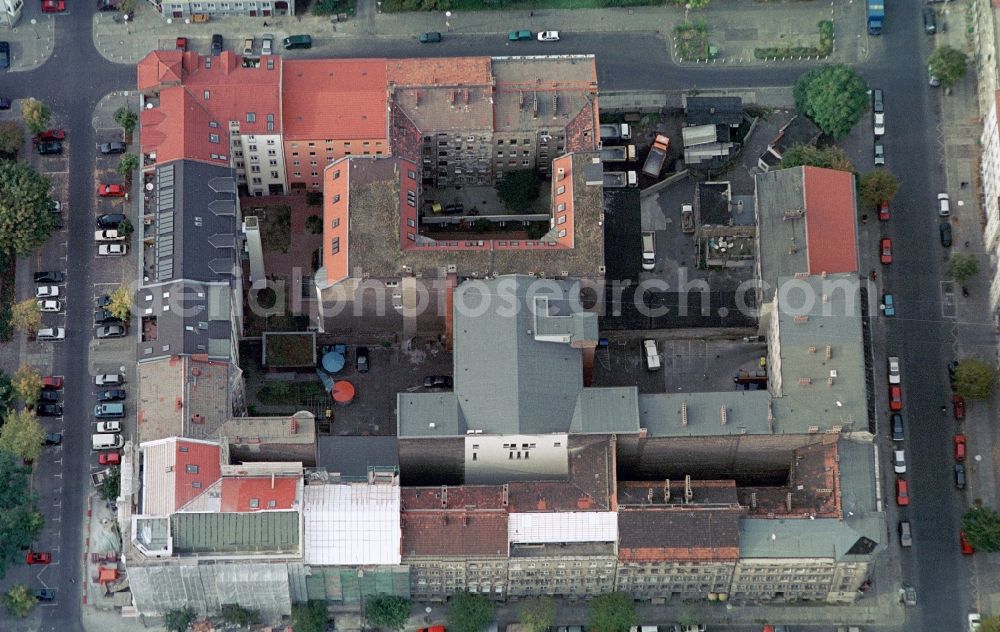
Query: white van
x=651, y=355
x=106, y=441
x=51, y=333
x=108, y=379
x=648, y=251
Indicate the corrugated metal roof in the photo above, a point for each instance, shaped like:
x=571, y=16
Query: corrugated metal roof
x=226, y=533
x=352, y=524
x=570, y=526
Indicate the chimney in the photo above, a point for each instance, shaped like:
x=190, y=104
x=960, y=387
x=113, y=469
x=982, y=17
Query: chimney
x=649, y=496
x=788, y=502
x=520, y=98
x=666, y=490
x=466, y=97
x=684, y=414
x=505, y=495
x=444, y=496
x=722, y=415
x=688, y=493
x=753, y=500
x=829, y=352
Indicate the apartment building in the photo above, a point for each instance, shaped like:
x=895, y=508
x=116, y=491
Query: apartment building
x=181, y=9
x=986, y=20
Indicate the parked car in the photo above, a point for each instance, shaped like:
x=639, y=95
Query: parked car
x=902, y=492
x=888, y=305
x=266, y=44
x=108, y=427
x=548, y=36
x=52, y=381
x=112, y=250
x=975, y=622
x=293, y=42
x=952, y=370
x=114, y=147
x=45, y=594
x=112, y=395
x=110, y=331
x=898, y=462
x=945, y=230
x=50, y=277
x=55, y=207
x=362, y=360
x=905, y=534
x=53, y=6
x=958, y=406
x=884, y=214
x=944, y=204
x=879, y=155
x=930, y=21
x=102, y=316
x=519, y=36
x=49, y=305
x=885, y=251
x=895, y=398
x=879, y=124
x=109, y=458
x=247, y=46
x=106, y=5
x=46, y=291
x=5, y=103
x=964, y=543
x=897, y=427
x=49, y=148
x=216, y=45
x=4, y=55
x=38, y=557
x=438, y=381
x=103, y=300
x=878, y=101
x=959, y=441
x=47, y=396
x=49, y=410
x=111, y=190
x=110, y=220
x=430, y=38
x=108, y=379
x=49, y=334
x=52, y=438
x=960, y=476
x=894, y=376
x=51, y=134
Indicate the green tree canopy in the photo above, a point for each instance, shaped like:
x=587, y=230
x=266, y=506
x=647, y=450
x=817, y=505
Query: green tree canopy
x=36, y=115
x=876, y=186
x=834, y=97
x=948, y=65
x=26, y=316
x=126, y=118
x=831, y=157
x=975, y=379
x=387, y=612
x=613, y=612
x=310, y=616
x=110, y=487
x=21, y=434
x=990, y=624
x=27, y=384
x=11, y=139
x=20, y=522
x=179, y=620
x=537, y=614
x=6, y=391
x=235, y=614
x=121, y=302
x=962, y=266
x=982, y=528
x=469, y=612
x=25, y=220
x=518, y=190
x=19, y=601
x=127, y=165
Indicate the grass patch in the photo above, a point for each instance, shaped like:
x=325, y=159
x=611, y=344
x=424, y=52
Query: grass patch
x=396, y=6
x=691, y=41
x=276, y=233
x=281, y=393
x=288, y=350
x=824, y=49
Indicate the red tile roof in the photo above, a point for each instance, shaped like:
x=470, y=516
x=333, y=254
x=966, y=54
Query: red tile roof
x=159, y=67
x=459, y=533
x=831, y=227
x=194, y=462
x=237, y=491
x=335, y=98
x=179, y=128
x=440, y=71
x=456, y=497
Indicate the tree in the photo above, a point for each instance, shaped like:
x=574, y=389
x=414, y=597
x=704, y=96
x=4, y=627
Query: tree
x=36, y=115
x=962, y=267
x=982, y=528
x=613, y=612
x=127, y=7
x=831, y=157
x=19, y=601
x=834, y=97
x=975, y=379
x=27, y=384
x=387, y=612
x=120, y=305
x=125, y=117
x=6, y=391
x=990, y=624
x=22, y=434
x=237, y=615
x=127, y=165
x=518, y=189
x=20, y=522
x=310, y=616
x=110, y=488
x=25, y=220
x=26, y=315
x=469, y=612
x=179, y=620
x=876, y=186
x=948, y=65
x=537, y=614
x=11, y=139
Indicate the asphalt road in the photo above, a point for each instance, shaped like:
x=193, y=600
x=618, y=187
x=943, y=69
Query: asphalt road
x=76, y=77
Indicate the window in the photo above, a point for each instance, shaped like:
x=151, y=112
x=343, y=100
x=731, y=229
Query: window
x=335, y=245
x=297, y=174
x=251, y=117
x=296, y=163
x=253, y=147
x=196, y=484
x=254, y=168
x=191, y=468
x=336, y=174
x=270, y=141
x=410, y=222
x=411, y=174
x=336, y=222
x=208, y=94
x=254, y=503
x=526, y=141
x=256, y=180
x=271, y=504
x=313, y=163
x=562, y=219
x=273, y=162
x=562, y=233
x=560, y=190
x=274, y=176
x=271, y=152
x=315, y=174
x=336, y=198
x=213, y=124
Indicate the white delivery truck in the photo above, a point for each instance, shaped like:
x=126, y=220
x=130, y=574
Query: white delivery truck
x=651, y=355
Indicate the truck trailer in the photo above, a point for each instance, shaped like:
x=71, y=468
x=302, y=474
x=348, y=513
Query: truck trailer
x=618, y=153
x=616, y=131
x=620, y=179
x=657, y=156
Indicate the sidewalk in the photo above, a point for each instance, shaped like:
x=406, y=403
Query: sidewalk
x=736, y=27
x=974, y=332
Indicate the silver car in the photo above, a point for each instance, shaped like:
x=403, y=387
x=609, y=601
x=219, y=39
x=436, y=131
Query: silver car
x=267, y=44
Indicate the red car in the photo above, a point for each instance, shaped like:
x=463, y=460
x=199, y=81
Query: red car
x=960, y=447
x=883, y=211
x=958, y=406
x=902, y=492
x=52, y=381
x=34, y=557
x=895, y=398
x=109, y=458
x=51, y=134
x=966, y=547
x=111, y=190
x=885, y=251
x=53, y=6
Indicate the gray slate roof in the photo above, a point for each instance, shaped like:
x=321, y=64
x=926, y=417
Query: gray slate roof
x=197, y=320
x=781, y=238
x=746, y=411
x=713, y=110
